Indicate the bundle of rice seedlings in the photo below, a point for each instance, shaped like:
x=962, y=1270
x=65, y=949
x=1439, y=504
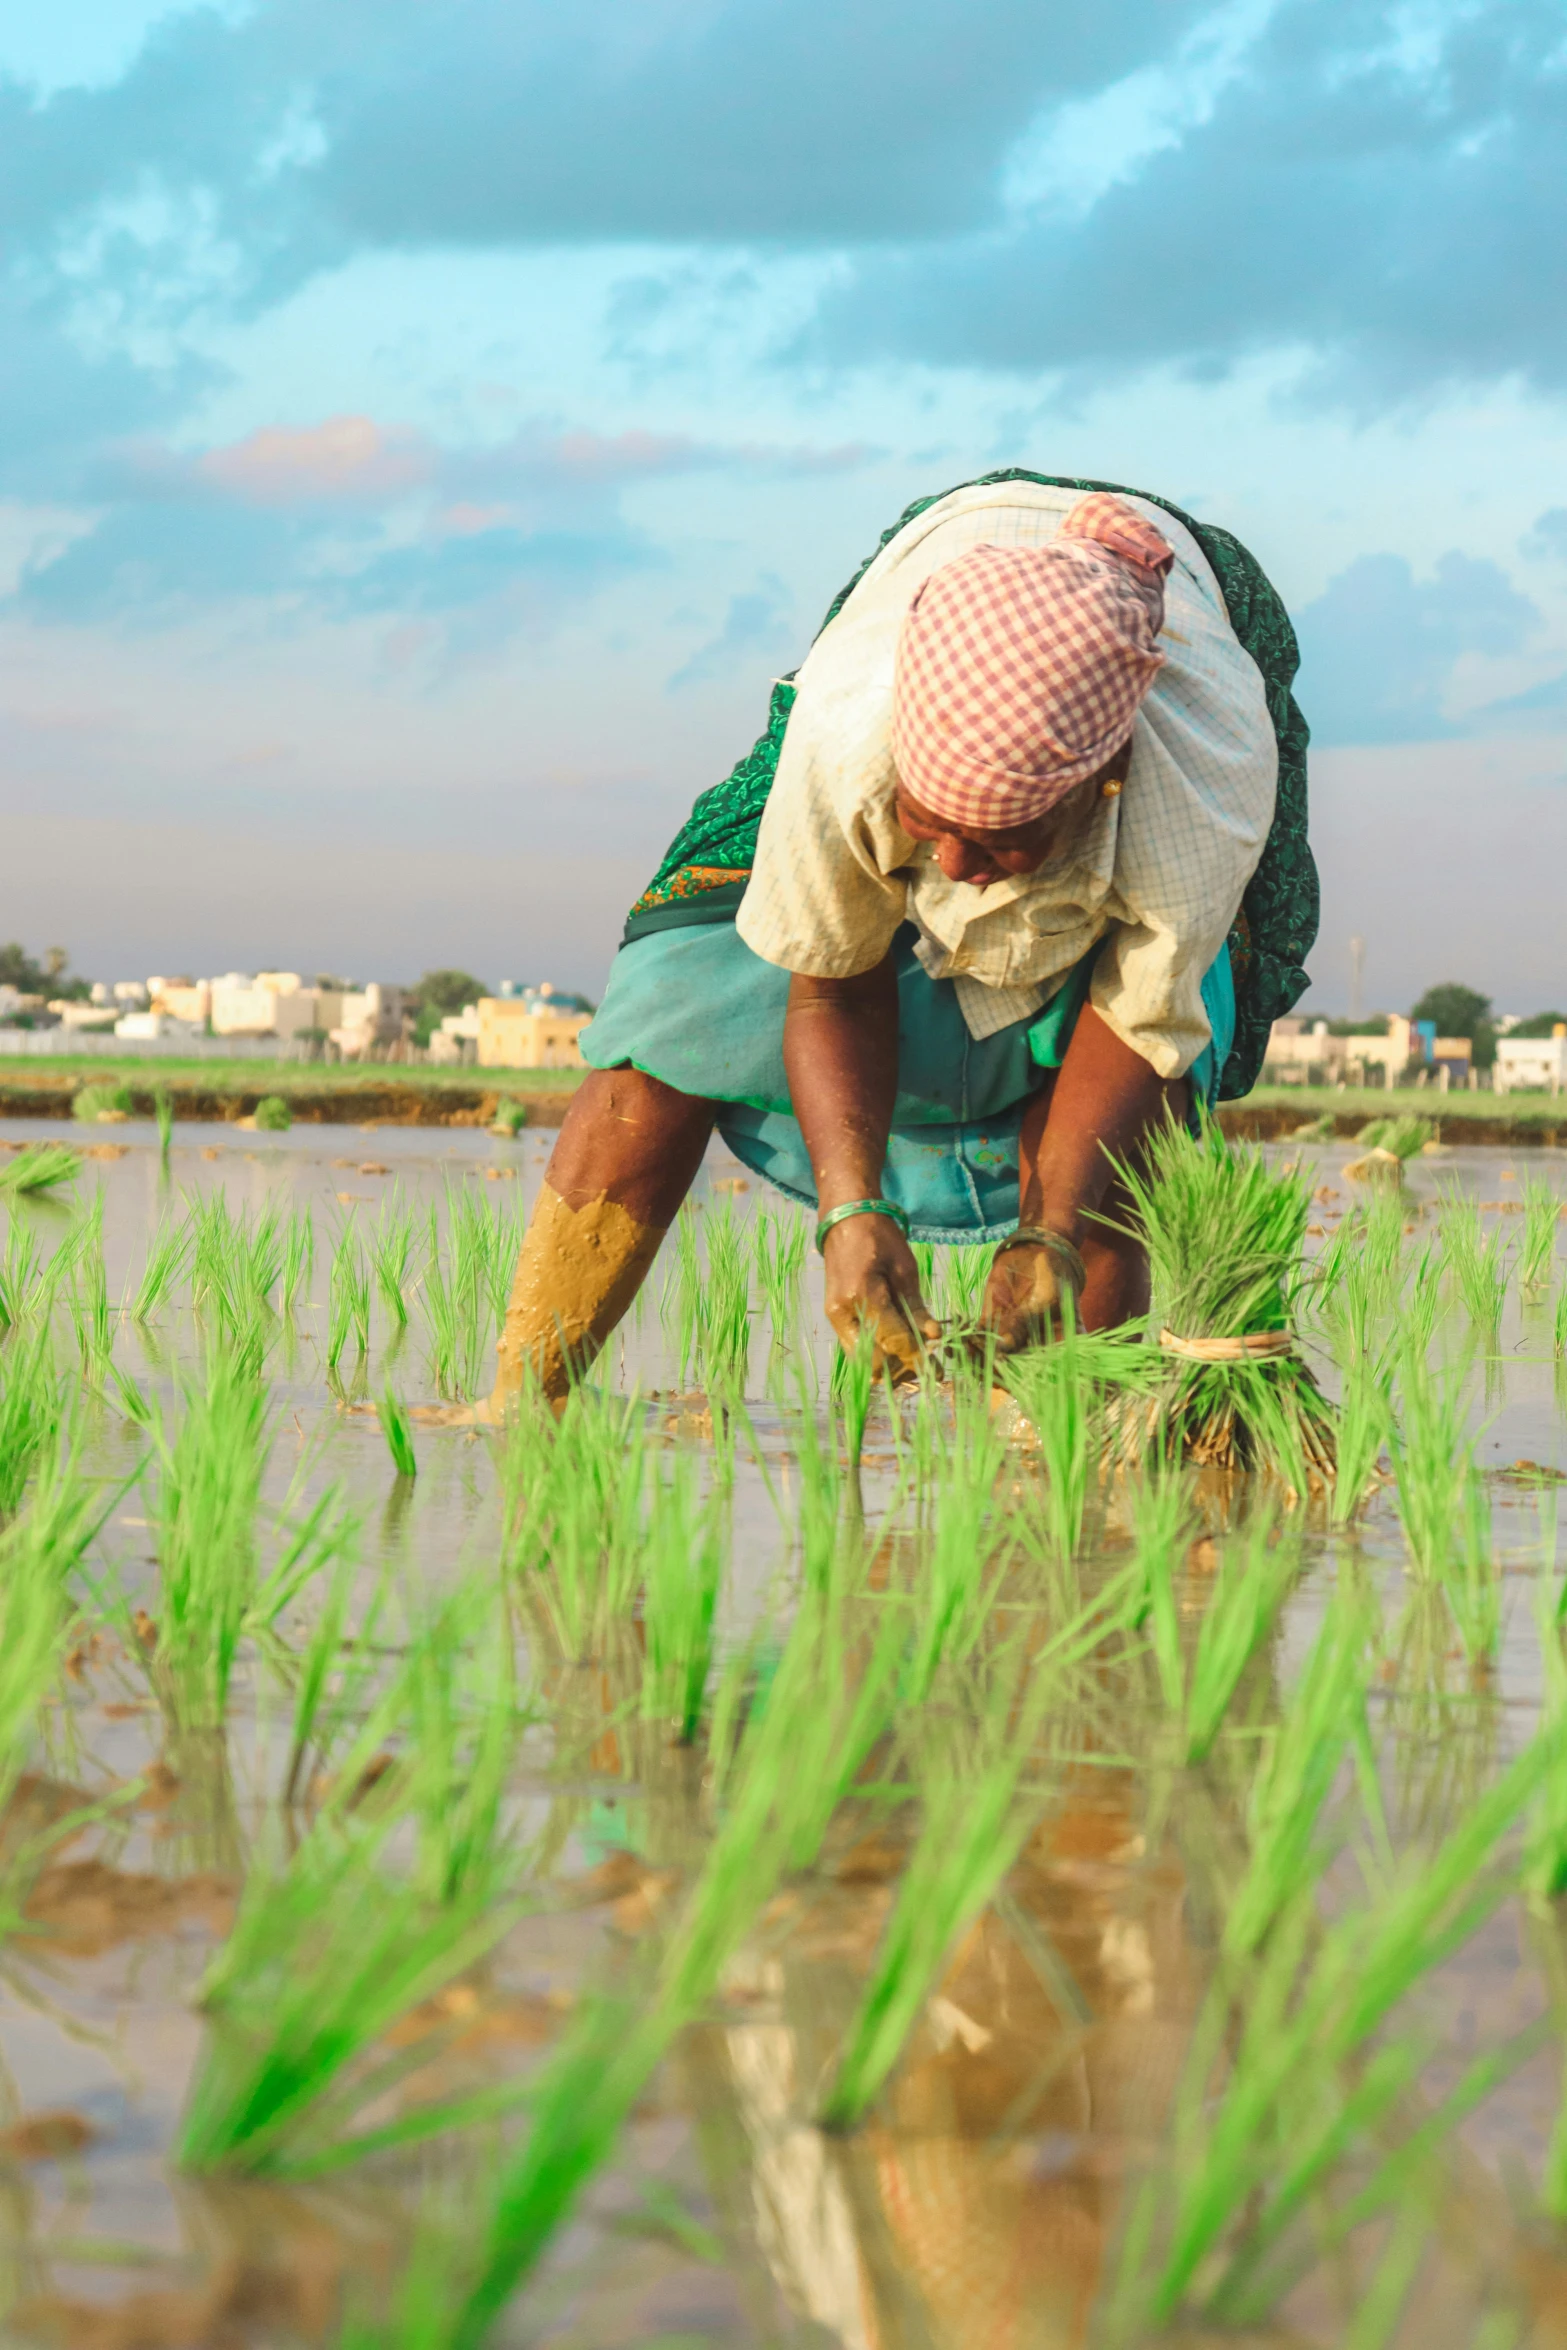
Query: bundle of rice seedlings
x=273, y=1115
x=1315, y=1129
x=101, y=1101
x=1224, y=1234
x=1385, y=1144
x=40, y=1168
x=510, y=1118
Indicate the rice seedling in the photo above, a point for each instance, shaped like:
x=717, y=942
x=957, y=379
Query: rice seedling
x=726, y=1304
x=397, y=1428
x=88, y=1301
x=1224, y=1234
x=348, y=1300
x=163, y=1112
x=273, y=1115
x=204, y=1520
x=392, y=1259
x=510, y=1117
x=465, y=1289
x=573, y=1500
x=102, y=1100
x=1315, y=1129
x=29, y=1415
x=1442, y=1502
x=779, y=1244
x=22, y=1286
x=1542, y=1209
x=1293, y=2069
x=458, y=1704
x=801, y=1751
x=961, y=1290
x=1323, y=1722
x=969, y=1761
x=1476, y=1267
x=333, y=1945
x=1249, y=1585
x=1545, y=1869
x=1060, y=1391
x=1365, y=1420
x=298, y=1258
x=963, y=1561
x=681, y=1304
x=42, y=1167
x=168, y=1255
x=684, y=1576
x=850, y=1387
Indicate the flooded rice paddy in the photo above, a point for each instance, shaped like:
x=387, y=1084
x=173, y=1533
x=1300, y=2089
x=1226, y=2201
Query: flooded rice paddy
x=764, y=1864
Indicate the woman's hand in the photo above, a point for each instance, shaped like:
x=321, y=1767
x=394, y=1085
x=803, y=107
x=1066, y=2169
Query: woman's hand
x=1023, y=1297
x=872, y=1279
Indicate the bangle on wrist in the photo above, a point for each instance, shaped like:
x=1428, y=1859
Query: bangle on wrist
x=861, y=1207
x=1045, y=1236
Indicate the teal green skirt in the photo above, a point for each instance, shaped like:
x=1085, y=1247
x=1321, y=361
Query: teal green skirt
x=695, y=1007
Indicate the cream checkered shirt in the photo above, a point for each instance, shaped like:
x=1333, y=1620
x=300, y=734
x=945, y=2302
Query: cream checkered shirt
x=1158, y=872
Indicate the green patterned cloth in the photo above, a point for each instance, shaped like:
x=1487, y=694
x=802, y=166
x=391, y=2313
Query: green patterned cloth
x=703, y=877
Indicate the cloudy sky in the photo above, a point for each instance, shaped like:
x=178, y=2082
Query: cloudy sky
x=426, y=426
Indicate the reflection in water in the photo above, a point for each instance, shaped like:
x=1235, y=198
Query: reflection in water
x=975, y=2210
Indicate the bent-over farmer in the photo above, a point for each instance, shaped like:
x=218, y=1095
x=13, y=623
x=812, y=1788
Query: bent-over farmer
x=1018, y=868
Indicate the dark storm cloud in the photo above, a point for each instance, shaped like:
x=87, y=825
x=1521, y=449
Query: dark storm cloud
x=1399, y=214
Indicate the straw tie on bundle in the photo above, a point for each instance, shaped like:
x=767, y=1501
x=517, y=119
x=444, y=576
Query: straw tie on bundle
x=1254, y=1346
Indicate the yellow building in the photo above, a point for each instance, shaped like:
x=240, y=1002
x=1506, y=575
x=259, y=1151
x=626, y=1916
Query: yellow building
x=517, y=1034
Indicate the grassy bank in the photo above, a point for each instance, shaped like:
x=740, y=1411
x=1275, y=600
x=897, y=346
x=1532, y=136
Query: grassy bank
x=349, y=1095
x=345, y=1094
x=1274, y=1111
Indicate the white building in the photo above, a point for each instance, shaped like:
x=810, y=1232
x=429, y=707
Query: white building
x=1525, y=1063
x=370, y=1016
x=273, y=1003
x=1301, y=1052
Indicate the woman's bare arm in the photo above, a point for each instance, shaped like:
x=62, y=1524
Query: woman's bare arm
x=841, y=1055
x=1099, y=1106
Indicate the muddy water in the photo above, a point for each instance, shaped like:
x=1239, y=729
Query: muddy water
x=976, y=2209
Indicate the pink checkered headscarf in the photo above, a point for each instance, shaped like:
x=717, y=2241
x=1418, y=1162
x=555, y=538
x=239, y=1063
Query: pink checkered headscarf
x=1020, y=669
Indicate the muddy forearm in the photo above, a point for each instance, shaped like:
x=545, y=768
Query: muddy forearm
x=841, y=1055
x=1103, y=1099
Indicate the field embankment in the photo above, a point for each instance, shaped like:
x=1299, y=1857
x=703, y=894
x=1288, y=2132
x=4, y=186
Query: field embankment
x=223, y=1091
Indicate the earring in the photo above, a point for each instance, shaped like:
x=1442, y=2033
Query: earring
x=1110, y=788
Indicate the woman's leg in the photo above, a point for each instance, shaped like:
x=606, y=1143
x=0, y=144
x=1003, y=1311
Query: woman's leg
x=628, y=1152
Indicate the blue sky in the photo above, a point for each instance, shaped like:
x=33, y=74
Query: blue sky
x=424, y=431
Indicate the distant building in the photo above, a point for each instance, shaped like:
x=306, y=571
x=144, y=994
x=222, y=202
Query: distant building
x=370, y=1016
x=274, y=1003
x=536, y=1030
x=148, y=1027
x=1532, y=1063
x=1301, y=1052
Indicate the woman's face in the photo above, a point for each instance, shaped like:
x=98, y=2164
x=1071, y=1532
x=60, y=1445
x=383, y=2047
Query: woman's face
x=980, y=857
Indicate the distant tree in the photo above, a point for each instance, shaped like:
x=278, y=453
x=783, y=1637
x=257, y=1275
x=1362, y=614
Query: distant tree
x=1375, y=1024
x=447, y=991
x=438, y=992
x=46, y=978
x=1460, y=1011
x=1541, y=1024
